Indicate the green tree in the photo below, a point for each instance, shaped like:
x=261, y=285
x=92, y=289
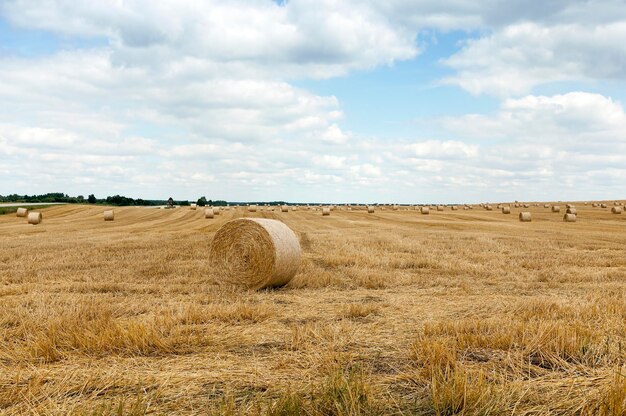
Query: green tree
x=201, y=202
x=91, y=199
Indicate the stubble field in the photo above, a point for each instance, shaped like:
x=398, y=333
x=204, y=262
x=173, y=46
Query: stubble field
x=456, y=312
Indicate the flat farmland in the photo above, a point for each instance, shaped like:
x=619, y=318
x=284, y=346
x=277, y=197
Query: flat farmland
x=456, y=312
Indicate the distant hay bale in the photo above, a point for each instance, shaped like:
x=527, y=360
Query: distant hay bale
x=284, y=208
x=571, y=210
x=208, y=213
x=506, y=210
x=255, y=253
x=35, y=218
x=193, y=206
x=252, y=208
x=22, y=212
x=325, y=211
x=556, y=208
x=109, y=215
x=516, y=205
x=439, y=207
x=568, y=217
x=395, y=207
x=616, y=210
x=546, y=205
x=370, y=209
x=569, y=206
x=489, y=208
x=594, y=205
x=454, y=208
x=425, y=210
x=216, y=210
x=525, y=216
x=602, y=205
x=466, y=208
x=526, y=205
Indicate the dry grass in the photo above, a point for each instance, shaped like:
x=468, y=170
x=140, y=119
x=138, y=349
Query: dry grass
x=457, y=312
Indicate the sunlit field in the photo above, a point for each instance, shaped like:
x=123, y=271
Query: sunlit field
x=456, y=312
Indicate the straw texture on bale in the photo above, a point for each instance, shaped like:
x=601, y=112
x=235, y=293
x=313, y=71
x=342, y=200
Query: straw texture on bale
x=556, y=208
x=325, y=211
x=370, y=209
x=425, y=210
x=255, y=253
x=571, y=210
x=506, y=210
x=109, y=215
x=616, y=210
x=208, y=213
x=35, y=218
x=22, y=212
x=216, y=210
x=525, y=216
x=569, y=217
x=252, y=208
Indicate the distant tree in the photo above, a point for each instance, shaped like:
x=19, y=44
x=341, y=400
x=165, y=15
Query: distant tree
x=201, y=202
x=170, y=202
x=91, y=199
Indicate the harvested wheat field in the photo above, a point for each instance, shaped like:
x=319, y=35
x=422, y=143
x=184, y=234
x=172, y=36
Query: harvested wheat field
x=456, y=312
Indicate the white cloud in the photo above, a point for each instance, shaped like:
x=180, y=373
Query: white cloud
x=515, y=58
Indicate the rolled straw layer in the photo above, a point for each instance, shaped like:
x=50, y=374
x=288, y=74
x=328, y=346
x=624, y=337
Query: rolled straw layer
x=255, y=253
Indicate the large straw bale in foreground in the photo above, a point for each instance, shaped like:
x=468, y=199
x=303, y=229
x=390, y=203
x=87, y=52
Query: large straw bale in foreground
x=569, y=217
x=22, y=212
x=255, y=253
x=35, y=218
x=109, y=215
x=616, y=210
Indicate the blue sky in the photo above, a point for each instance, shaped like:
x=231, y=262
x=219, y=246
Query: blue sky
x=402, y=101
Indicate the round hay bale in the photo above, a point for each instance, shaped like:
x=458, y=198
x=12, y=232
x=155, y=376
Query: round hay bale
x=216, y=210
x=546, y=205
x=526, y=205
x=22, y=212
x=425, y=210
x=454, y=208
x=255, y=253
x=616, y=210
x=571, y=210
x=35, y=218
x=439, y=207
x=489, y=208
x=209, y=213
x=568, y=217
x=594, y=205
x=506, y=210
x=370, y=209
x=569, y=206
x=525, y=216
x=556, y=208
x=252, y=208
x=466, y=208
x=109, y=215
x=516, y=205
x=602, y=205
x=325, y=211
x=193, y=206
x=284, y=208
